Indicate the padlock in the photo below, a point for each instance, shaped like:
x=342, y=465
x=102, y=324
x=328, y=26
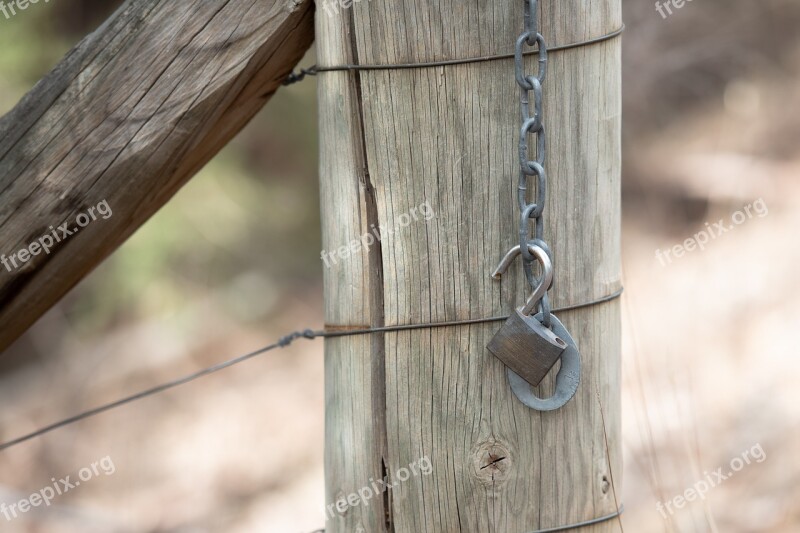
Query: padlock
x=567, y=381
x=527, y=347
x=524, y=344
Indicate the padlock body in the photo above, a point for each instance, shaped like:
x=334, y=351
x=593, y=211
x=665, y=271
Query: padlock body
x=527, y=347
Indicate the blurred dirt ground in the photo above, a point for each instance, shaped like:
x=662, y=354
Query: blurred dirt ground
x=711, y=367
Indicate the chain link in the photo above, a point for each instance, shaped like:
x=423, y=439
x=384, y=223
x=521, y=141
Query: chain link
x=531, y=214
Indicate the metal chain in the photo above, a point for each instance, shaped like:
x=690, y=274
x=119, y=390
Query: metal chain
x=532, y=124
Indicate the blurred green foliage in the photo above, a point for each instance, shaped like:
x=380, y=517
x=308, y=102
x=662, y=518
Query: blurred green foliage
x=28, y=49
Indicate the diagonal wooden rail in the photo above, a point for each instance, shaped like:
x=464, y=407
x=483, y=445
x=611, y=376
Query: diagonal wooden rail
x=122, y=122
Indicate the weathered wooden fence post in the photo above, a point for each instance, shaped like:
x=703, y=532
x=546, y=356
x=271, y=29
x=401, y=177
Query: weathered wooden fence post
x=394, y=140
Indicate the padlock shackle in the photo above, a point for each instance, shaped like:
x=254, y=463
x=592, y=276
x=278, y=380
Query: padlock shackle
x=544, y=283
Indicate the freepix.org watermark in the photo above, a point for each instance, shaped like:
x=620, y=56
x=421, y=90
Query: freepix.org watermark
x=332, y=7
x=665, y=8
x=364, y=494
x=47, y=242
x=700, y=239
x=371, y=237
x=59, y=487
x=12, y=8
x=711, y=480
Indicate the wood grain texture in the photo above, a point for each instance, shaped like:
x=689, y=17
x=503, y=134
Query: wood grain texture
x=128, y=116
x=394, y=139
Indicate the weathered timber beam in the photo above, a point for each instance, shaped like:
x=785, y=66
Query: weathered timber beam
x=128, y=116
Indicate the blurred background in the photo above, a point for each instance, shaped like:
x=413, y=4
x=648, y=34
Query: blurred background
x=711, y=125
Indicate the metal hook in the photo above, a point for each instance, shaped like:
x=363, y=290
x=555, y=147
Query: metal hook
x=544, y=283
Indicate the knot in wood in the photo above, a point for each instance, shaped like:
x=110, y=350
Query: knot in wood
x=492, y=461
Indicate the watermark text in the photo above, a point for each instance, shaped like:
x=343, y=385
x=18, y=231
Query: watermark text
x=364, y=494
x=376, y=234
x=711, y=231
x=332, y=7
x=711, y=480
x=59, y=487
x=665, y=8
x=48, y=241
x=15, y=6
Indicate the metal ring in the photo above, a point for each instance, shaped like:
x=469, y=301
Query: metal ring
x=538, y=229
x=536, y=169
x=544, y=310
x=536, y=87
x=522, y=40
x=527, y=268
x=542, y=45
x=522, y=190
x=530, y=21
x=541, y=187
x=567, y=380
x=541, y=146
x=532, y=125
x=524, y=215
x=524, y=239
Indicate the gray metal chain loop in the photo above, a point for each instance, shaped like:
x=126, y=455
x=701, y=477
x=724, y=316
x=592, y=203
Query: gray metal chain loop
x=532, y=124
